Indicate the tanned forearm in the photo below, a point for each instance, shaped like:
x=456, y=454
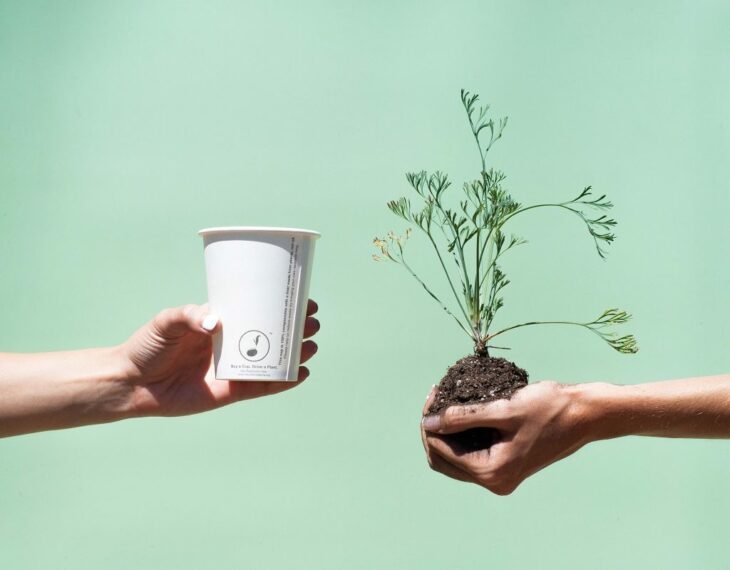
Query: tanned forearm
x=692, y=407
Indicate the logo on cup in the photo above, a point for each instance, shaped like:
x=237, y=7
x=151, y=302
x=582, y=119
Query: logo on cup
x=254, y=345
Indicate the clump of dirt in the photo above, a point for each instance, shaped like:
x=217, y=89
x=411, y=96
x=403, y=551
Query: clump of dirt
x=478, y=380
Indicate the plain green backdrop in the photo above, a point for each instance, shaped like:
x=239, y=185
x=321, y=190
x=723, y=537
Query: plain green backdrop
x=127, y=126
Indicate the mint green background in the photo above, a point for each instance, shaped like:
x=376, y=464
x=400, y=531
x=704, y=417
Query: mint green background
x=127, y=126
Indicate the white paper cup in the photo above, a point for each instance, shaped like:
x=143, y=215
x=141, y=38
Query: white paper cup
x=258, y=284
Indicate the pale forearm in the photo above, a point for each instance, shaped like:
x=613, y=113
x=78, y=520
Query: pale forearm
x=693, y=407
x=61, y=389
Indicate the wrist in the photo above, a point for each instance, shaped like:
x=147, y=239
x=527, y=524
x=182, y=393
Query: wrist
x=598, y=406
x=110, y=390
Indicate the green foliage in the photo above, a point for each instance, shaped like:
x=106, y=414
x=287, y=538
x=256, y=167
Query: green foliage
x=469, y=237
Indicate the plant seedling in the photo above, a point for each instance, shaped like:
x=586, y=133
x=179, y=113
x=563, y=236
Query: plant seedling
x=469, y=239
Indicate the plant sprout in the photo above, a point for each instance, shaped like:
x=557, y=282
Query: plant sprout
x=470, y=239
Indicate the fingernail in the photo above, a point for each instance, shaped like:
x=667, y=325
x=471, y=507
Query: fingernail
x=210, y=322
x=431, y=423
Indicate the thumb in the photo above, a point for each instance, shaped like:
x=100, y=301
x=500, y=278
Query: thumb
x=461, y=418
x=178, y=321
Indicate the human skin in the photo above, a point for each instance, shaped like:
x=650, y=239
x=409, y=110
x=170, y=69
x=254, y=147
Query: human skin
x=545, y=422
x=163, y=369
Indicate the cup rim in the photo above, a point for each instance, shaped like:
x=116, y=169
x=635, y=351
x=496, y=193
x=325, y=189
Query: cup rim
x=256, y=230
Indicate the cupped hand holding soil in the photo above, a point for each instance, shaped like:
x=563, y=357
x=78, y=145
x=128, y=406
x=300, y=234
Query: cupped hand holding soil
x=539, y=425
x=508, y=440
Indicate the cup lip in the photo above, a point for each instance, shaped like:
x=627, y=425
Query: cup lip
x=243, y=230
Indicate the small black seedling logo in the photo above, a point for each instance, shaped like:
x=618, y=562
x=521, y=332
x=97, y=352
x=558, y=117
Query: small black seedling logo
x=254, y=345
x=254, y=351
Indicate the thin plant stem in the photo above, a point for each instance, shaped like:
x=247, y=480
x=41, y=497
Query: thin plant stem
x=443, y=306
x=448, y=278
x=530, y=323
